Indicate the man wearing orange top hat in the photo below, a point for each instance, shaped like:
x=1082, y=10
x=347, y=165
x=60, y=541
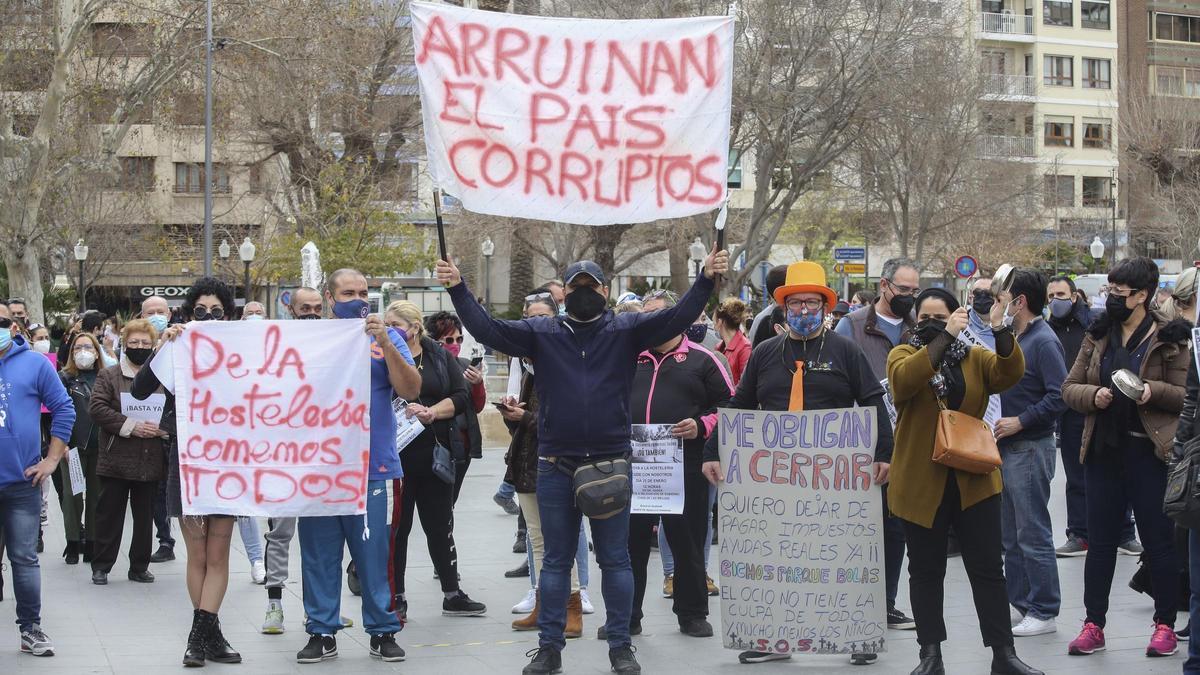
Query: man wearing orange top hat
x=807, y=368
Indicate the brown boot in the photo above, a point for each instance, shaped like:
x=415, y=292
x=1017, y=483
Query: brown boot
x=574, y=627
x=530, y=622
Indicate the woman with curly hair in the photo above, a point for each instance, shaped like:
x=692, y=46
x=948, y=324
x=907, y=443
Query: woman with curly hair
x=207, y=537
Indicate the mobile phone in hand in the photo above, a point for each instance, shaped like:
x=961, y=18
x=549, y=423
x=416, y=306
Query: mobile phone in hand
x=499, y=405
x=476, y=361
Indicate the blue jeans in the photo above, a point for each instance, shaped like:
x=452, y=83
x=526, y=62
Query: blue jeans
x=1027, y=534
x=664, y=547
x=581, y=558
x=252, y=539
x=1192, y=665
x=20, y=516
x=507, y=490
x=322, y=539
x=560, y=531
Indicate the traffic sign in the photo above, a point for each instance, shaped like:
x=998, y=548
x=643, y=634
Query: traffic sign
x=966, y=266
x=850, y=253
x=850, y=268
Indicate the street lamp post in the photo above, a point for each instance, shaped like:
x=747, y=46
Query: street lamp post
x=488, y=248
x=208, y=138
x=246, y=253
x=223, y=251
x=696, y=252
x=81, y=254
x=1097, y=251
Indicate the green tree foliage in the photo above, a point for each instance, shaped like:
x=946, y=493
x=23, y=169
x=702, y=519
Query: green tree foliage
x=352, y=227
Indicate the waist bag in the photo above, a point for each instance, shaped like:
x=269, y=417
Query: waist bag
x=1181, y=500
x=602, y=486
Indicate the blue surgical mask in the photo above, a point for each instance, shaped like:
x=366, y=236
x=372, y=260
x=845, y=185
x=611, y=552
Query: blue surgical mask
x=159, y=322
x=5, y=338
x=351, y=309
x=1060, y=308
x=806, y=323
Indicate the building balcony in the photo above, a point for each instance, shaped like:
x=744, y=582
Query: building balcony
x=1008, y=146
x=1007, y=24
x=1010, y=86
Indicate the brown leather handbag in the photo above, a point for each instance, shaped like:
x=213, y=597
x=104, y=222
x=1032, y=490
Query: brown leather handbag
x=964, y=443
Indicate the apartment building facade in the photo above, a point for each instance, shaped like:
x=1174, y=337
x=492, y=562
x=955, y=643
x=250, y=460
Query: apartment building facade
x=1160, y=69
x=1051, y=71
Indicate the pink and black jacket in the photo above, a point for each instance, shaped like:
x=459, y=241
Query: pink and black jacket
x=687, y=382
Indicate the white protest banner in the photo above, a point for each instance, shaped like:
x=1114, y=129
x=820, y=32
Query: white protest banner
x=150, y=410
x=273, y=417
x=656, y=469
x=408, y=427
x=889, y=402
x=993, y=412
x=801, y=532
x=581, y=121
x=75, y=472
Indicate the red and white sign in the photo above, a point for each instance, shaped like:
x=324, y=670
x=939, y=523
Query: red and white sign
x=272, y=418
x=582, y=121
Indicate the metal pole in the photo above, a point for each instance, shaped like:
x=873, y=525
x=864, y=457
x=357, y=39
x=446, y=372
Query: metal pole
x=1112, y=198
x=82, y=290
x=487, y=276
x=208, y=175
x=246, y=281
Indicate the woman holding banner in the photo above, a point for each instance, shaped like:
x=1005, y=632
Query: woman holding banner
x=936, y=371
x=424, y=486
x=207, y=537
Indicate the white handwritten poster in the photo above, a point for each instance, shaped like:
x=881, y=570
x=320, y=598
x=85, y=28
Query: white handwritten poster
x=656, y=469
x=801, y=532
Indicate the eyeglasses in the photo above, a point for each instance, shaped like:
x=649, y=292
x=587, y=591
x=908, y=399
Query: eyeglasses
x=1120, y=292
x=812, y=304
x=84, y=347
x=538, y=297
x=140, y=344
x=203, y=313
x=660, y=293
x=451, y=340
x=902, y=290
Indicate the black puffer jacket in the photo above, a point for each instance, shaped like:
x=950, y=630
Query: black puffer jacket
x=85, y=435
x=1186, y=430
x=522, y=455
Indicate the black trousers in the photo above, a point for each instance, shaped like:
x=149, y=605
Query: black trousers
x=978, y=530
x=460, y=474
x=420, y=490
x=115, y=493
x=687, y=534
x=893, y=551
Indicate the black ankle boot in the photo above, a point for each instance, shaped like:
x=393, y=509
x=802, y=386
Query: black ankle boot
x=931, y=661
x=86, y=549
x=216, y=647
x=193, y=656
x=71, y=553
x=1005, y=662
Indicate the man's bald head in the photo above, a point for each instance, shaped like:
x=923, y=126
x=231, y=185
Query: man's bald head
x=155, y=304
x=306, y=302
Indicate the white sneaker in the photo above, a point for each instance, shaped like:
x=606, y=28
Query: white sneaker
x=258, y=572
x=1031, y=626
x=526, y=606
x=586, y=601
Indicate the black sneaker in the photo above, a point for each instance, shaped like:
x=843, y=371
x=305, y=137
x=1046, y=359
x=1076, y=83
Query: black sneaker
x=623, y=662
x=384, y=646
x=163, y=554
x=697, y=628
x=518, y=572
x=546, y=661
x=461, y=605
x=635, y=628
x=898, y=620
x=100, y=577
x=761, y=657
x=863, y=659
x=319, y=648
x=142, y=577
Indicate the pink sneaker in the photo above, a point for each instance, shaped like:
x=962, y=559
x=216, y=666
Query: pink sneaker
x=1163, y=642
x=1090, y=640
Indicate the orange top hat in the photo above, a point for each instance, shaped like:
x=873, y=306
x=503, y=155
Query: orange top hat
x=805, y=277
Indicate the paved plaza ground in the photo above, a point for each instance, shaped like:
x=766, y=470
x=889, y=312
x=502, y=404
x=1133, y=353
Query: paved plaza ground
x=132, y=628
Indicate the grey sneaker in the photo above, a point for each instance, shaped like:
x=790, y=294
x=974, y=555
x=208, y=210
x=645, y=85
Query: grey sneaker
x=507, y=503
x=273, y=624
x=1131, y=547
x=1074, y=548
x=34, y=641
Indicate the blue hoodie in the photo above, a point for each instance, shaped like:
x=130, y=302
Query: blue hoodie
x=27, y=382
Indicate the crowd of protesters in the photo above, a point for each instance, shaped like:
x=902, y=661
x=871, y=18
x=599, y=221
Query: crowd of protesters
x=583, y=368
